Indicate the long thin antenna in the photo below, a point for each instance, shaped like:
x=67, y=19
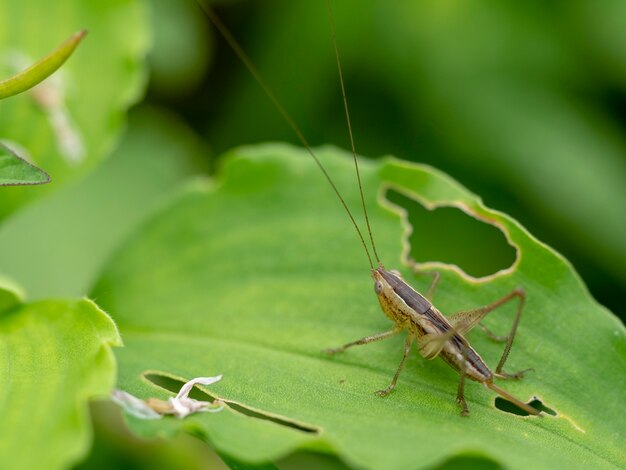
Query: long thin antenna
x=230, y=39
x=345, y=105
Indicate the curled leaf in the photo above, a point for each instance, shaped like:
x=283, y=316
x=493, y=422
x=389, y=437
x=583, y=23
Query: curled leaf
x=41, y=69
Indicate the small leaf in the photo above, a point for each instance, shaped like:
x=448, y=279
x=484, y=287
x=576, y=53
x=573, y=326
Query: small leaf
x=54, y=356
x=254, y=276
x=41, y=69
x=15, y=171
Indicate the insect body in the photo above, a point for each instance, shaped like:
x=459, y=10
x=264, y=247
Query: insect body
x=435, y=334
x=438, y=336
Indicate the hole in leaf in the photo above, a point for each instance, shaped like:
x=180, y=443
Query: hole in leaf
x=449, y=235
x=508, y=407
x=174, y=385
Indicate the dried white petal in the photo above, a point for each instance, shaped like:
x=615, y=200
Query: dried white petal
x=185, y=389
x=181, y=405
x=184, y=406
x=134, y=406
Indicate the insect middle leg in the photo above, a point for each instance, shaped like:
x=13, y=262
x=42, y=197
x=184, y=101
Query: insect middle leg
x=433, y=285
x=392, y=385
x=463, y=322
x=436, y=275
x=460, y=394
x=379, y=337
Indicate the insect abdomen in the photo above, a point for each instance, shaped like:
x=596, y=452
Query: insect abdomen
x=475, y=367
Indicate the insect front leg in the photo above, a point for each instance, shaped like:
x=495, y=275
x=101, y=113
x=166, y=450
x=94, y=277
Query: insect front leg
x=365, y=340
x=392, y=385
x=463, y=322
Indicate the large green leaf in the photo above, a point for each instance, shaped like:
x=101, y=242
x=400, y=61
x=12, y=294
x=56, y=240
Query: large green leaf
x=253, y=276
x=54, y=356
x=69, y=122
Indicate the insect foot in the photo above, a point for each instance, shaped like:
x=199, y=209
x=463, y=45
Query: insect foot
x=332, y=351
x=464, y=409
x=385, y=392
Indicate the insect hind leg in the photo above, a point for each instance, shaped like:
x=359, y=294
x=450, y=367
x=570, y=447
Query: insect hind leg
x=436, y=275
x=463, y=322
x=460, y=394
x=521, y=294
x=491, y=335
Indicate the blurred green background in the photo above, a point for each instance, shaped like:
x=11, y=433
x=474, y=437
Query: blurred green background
x=522, y=102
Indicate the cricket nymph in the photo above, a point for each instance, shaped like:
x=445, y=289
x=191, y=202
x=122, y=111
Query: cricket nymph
x=436, y=336
x=409, y=309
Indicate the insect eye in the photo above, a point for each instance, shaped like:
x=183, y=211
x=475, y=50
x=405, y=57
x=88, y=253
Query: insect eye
x=378, y=287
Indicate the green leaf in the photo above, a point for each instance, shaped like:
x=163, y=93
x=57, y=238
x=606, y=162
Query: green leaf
x=54, y=356
x=15, y=171
x=41, y=69
x=253, y=276
x=70, y=235
x=69, y=122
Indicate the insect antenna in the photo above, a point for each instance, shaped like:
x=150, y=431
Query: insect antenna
x=350, y=133
x=230, y=39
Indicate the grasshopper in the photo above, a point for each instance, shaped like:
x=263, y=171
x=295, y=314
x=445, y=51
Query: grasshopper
x=410, y=311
